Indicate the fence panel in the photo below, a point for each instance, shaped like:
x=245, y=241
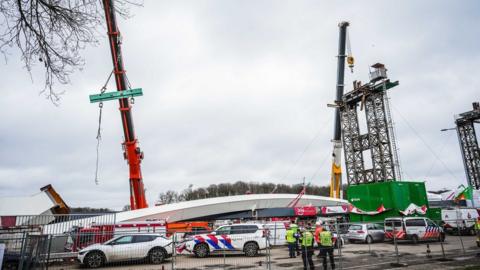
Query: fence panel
x=217, y=251
x=54, y=242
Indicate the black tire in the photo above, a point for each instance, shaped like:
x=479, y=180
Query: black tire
x=368, y=240
x=250, y=249
x=157, y=255
x=414, y=239
x=201, y=250
x=94, y=259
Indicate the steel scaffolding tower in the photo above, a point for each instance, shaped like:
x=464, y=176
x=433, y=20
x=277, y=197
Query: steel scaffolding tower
x=469, y=144
x=378, y=139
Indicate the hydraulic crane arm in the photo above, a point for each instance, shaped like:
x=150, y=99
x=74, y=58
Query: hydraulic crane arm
x=336, y=174
x=132, y=152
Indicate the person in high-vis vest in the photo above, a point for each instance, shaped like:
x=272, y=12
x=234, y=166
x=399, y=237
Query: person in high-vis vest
x=297, y=234
x=306, y=240
x=318, y=230
x=326, y=247
x=291, y=238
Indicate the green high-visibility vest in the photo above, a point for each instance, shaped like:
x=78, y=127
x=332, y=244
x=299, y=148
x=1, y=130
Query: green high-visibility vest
x=307, y=239
x=294, y=227
x=477, y=225
x=291, y=236
x=326, y=239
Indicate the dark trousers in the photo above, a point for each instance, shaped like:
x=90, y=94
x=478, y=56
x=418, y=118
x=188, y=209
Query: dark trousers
x=291, y=250
x=297, y=247
x=307, y=253
x=323, y=253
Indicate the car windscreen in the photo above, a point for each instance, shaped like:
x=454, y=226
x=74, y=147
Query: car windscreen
x=355, y=227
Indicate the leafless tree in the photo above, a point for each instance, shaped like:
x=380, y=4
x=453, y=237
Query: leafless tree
x=52, y=33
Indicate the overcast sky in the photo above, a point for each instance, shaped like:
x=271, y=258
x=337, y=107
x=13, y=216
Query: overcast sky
x=237, y=90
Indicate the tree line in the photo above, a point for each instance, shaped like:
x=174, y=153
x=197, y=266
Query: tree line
x=237, y=188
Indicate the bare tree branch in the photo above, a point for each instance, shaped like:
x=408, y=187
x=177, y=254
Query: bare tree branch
x=53, y=33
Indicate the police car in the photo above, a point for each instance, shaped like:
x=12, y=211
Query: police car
x=413, y=228
x=246, y=238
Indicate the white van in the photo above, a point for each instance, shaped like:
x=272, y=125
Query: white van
x=413, y=228
x=277, y=232
x=462, y=219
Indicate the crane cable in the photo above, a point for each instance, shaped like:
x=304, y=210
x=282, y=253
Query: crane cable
x=99, y=130
x=350, y=58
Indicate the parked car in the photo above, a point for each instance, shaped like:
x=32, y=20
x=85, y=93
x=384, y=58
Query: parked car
x=247, y=238
x=366, y=233
x=129, y=247
x=414, y=229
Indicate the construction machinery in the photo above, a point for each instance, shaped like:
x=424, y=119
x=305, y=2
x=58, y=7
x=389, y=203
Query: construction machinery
x=336, y=174
x=469, y=144
x=124, y=94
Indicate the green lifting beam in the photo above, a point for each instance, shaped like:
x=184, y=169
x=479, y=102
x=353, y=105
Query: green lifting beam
x=388, y=85
x=116, y=95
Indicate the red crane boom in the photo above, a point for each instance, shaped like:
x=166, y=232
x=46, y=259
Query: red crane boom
x=132, y=152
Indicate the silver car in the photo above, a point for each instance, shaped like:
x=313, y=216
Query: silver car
x=366, y=233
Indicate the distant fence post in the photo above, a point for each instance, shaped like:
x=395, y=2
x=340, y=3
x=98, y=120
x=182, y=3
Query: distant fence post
x=224, y=257
x=460, y=236
x=49, y=237
x=174, y=253
x=22, y=251
x=339, y=244
x=269, y=260
x=275, y=234
x=395, y=242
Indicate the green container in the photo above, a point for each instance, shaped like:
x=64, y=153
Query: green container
x=435, y=214
x=394, y=196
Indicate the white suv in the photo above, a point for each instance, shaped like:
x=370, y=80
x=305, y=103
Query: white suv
x=153, y=247
x=248, y=238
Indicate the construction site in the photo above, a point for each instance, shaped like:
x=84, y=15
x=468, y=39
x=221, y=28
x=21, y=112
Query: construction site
x=403, y=183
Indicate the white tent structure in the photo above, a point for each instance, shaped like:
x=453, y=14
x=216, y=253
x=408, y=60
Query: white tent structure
x=197, y=209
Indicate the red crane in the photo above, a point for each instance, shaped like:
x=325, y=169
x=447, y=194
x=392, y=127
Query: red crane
x=132, y=152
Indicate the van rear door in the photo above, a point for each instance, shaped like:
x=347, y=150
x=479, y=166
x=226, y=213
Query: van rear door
x=416, y=226
x=394, y=227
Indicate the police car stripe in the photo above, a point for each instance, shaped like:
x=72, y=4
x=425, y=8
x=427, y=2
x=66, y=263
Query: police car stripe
x=227, y=242
x=199, y=239
x=213, y=241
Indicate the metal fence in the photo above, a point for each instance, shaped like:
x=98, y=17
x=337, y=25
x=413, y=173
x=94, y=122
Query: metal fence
x=58, y=242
